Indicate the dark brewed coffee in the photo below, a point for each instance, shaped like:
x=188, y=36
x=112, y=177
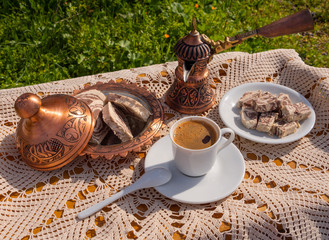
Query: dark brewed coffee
x=194, y=134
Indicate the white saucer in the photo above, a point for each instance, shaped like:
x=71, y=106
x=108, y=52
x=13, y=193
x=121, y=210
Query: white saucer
x=220, y=182
x=230, y=113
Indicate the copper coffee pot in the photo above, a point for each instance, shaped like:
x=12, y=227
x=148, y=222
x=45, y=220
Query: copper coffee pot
x=191, y=93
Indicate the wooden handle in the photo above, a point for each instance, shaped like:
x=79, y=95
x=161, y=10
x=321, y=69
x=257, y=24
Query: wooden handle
x=298, y=22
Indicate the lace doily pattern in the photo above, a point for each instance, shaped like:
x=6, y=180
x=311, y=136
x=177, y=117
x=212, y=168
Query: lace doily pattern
x=284, y=194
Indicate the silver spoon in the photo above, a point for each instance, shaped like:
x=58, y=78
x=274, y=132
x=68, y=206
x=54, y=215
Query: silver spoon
x=154, y=177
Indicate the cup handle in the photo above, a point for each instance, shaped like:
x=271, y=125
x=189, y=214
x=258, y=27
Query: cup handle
x=229, y=140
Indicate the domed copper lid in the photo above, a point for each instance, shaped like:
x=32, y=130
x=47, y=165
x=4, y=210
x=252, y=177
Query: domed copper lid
x=191, y=47
x=52, y=131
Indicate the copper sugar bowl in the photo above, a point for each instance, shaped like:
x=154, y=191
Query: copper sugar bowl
x=56, y=129
x=52, y=131
x=191, y=93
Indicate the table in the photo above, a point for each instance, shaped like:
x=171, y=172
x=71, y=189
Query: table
x=284, y=194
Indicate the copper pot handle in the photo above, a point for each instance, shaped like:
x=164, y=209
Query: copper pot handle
x=298, y=22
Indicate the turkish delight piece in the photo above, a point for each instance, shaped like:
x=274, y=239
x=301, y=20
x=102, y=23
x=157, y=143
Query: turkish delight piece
x=248, y=98
x=130, y=105
x=266, y=121
x=123, y=115
x=296, y=112
x=101, y=129
x=283, y=128
x=249, y=117
x=288, y=112
x=302, y=111
x=116, y=123
x=284, y=99
x=94, y=99
x=267, y=102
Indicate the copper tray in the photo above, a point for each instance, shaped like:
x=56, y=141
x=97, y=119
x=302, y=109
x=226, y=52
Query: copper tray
x=153, y=125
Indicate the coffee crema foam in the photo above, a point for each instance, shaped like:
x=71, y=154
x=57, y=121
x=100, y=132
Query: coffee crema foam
x=195, y=134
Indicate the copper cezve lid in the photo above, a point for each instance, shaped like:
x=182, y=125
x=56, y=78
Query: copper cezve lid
x=52, y=131
x=192, y=48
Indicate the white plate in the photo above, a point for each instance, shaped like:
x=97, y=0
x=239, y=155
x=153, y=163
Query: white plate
x=220, y=182
x=230, y=113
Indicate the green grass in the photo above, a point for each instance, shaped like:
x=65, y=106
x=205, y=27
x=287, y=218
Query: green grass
x=42, y=41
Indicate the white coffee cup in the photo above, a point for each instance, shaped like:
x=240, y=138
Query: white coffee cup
x=198, y=162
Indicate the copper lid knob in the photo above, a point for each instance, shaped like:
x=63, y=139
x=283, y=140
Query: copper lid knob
x=52, y=131
x=27, y=105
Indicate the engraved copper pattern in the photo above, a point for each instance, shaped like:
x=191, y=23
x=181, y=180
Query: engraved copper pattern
x=198, y=73
x=192, y=52
x=190, y=98
x=145, y=137
x=56, y=134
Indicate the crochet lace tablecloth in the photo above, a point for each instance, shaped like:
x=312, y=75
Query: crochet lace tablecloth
x=284, y=193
